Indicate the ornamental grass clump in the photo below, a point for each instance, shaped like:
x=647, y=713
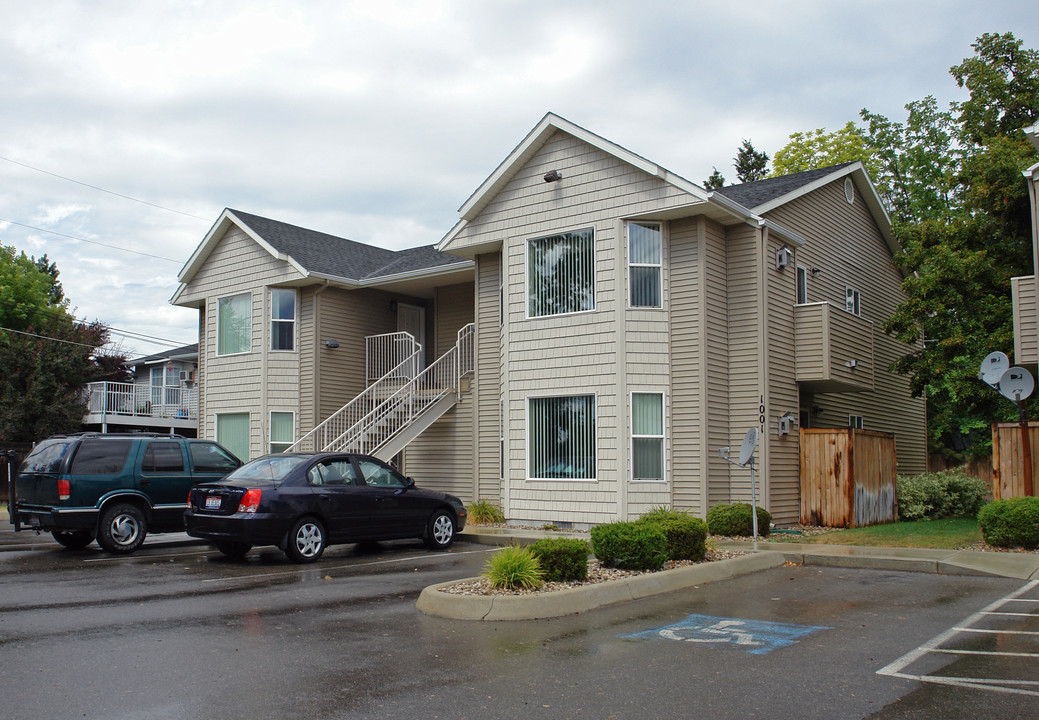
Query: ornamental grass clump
x=484, y=512
x=1013, y=522
x=735, y=520
x=514, y=568
x=562, y=559
x=630, y=545
x=686, y=535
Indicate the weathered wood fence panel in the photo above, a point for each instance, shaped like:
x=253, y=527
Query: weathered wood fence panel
x=848, y=477
x=1008, y=462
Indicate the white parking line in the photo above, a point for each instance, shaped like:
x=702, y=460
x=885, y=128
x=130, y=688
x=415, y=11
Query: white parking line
x=895, y=668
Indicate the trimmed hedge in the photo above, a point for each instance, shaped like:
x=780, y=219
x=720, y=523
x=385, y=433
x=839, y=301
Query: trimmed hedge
x=932, y=496
x=630, y=545
x=686, y=535
x=561, y=559
x=735, y=520
x=1013, y=522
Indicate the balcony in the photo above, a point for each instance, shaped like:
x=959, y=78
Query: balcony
x=118, y=406
x=834, y=349
x=1026, y=319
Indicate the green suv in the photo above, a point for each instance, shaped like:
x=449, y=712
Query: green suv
x=113, y=487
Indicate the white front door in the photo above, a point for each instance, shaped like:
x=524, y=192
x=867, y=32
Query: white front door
x=412, y=319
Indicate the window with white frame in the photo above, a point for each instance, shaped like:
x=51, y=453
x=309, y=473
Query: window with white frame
x=232, y=431
x=282, y=431
x=234, y=324
x=283, y=319
x=647, y=436
x=855, y=422
x=853, y=301
x=645, y=262
x=561, y=437
x=802, y=284
x=561, y=273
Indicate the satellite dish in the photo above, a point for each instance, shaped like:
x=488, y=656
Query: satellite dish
x=1016, y=384
x=993, y=367
x=750, y=441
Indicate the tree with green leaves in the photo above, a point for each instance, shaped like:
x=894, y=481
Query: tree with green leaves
x=715, y=181
x=818, y=149
x=750, y=164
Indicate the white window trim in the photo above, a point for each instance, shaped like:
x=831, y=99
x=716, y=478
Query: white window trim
x=270, y=428
x=801, y=273
x=294, y=320
x=216, y=309
x=855, y=308
x=659, y=266
x=526, y=274
x=526, y=436
x=662, y=437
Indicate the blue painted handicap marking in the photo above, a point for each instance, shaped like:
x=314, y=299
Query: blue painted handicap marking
x=753, y=636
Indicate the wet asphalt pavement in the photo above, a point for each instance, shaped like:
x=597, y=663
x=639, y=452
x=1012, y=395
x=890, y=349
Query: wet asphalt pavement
x=178, y=631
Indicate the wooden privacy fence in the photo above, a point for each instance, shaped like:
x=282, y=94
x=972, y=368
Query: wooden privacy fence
x=848, y=477
x=1008, y=461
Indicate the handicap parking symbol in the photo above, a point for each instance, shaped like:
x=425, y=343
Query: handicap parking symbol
x=753, y=636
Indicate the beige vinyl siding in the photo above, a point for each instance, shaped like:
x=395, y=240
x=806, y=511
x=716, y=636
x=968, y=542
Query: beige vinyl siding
x=487, y=390
x=845, y=244
x=200, y=376
x=1026, y=314
x=309, y=343
x=715, y=373
x=441, y=458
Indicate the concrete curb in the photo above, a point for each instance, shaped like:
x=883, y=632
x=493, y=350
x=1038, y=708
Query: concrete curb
x=588, y=597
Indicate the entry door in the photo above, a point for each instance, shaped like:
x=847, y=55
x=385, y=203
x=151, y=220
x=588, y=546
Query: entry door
x=412, y=319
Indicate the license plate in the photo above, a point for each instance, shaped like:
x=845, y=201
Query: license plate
x=212, y=503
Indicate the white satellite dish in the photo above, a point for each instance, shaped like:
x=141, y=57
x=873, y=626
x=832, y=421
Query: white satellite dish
x=1016, y=384
x=993, y=367
x=750, y=441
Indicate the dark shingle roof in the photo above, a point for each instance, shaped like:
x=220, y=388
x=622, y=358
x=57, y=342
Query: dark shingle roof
x=751, y=195
x=330, y=255
x=184, y=350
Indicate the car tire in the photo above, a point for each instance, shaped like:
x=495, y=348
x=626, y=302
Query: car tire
x=306, y=540
x=233, y=549
x=122, y=529
x=73, y=539
x=440, y=532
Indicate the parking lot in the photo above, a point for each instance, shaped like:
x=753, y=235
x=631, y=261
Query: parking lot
x=179, y=631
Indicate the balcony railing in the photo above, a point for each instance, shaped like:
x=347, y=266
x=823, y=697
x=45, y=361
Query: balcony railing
x=130, y=400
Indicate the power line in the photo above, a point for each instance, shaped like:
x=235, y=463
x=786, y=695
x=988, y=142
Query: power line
x=92, y=242
x=101, y=189
x=47, y=337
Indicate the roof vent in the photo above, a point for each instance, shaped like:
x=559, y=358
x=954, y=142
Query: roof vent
x=849, y=191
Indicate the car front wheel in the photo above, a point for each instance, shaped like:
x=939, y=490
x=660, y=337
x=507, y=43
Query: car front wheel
x=440, y=532
x=122, y=529
x=306, y=541
x=73, y=539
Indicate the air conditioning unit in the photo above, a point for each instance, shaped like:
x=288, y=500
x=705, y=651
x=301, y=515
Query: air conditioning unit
x=784, y=256
x=187, y=376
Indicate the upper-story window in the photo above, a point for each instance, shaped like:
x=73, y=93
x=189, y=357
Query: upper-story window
x=645, y=259
x=283, y=319
x=802, y=284
x=561, y=273
x=234, y=324
x=853, y=301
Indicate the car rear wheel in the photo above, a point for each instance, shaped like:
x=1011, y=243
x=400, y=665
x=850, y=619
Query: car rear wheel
x=233, y=549
x=73, y=539
x=306, y=540
x=440, y=532
x=122, y=529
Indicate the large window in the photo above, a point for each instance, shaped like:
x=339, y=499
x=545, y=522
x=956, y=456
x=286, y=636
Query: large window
x=561, y=273
x=232, y=431
x=282, y=429
x=561, y=437
x=647, y=436
x=645, y=258
x=283, y=319
x=234, y=324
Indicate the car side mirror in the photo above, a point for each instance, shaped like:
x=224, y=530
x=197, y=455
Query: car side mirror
x=409, y=482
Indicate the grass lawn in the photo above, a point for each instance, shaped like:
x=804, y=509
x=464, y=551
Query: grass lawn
x=947, y=534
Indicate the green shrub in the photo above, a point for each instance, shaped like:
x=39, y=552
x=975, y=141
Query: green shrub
x=686, y=535
x=735, y=520
x=937, y=495
x=514, y=568
x=630, y=545
x=561, y=559
x=1011, y=523
x=484, y=512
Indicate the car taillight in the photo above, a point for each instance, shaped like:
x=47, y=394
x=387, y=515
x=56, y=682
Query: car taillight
x=64, y=489
x=250, y=501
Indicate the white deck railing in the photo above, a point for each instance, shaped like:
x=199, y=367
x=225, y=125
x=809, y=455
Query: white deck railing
x=392, y=403
x=131, y=400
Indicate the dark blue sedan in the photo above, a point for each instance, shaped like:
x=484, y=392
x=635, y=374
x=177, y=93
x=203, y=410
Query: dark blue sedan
x=304, y=502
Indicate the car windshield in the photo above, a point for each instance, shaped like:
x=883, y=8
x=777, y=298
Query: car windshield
x=46, y=457
x=267, y=468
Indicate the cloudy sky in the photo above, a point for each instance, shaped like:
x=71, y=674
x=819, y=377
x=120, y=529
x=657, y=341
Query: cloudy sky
x=126, y=127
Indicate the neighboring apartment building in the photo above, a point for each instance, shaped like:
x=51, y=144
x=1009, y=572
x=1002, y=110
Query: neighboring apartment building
x=1025, y=289
x=625, y=324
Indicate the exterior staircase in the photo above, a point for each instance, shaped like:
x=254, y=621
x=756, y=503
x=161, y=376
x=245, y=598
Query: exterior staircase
x=401, y=399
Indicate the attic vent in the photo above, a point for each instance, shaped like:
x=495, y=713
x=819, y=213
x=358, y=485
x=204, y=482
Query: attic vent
x=849, y=191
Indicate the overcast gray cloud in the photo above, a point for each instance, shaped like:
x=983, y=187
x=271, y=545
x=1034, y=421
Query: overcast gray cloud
x=376, y=120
